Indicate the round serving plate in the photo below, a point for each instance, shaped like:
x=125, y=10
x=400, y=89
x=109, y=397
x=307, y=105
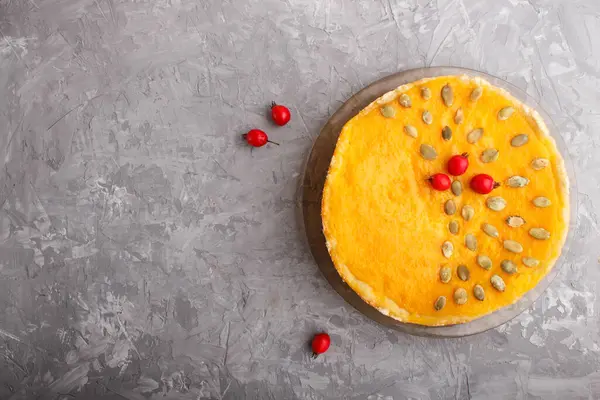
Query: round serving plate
x=314, y=180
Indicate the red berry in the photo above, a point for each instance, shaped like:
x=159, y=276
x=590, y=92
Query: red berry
x=257, y=138
x=483, y=183
x=457, y=165
x=320, y=344
x=440, y=182
x=280, y=114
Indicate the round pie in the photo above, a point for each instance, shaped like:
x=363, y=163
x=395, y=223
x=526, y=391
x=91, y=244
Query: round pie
x=439, y=257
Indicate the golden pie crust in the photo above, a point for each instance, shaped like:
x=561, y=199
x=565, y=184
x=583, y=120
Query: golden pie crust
x=385, y=225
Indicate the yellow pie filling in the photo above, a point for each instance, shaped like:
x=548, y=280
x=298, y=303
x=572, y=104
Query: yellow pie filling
x=389, y=233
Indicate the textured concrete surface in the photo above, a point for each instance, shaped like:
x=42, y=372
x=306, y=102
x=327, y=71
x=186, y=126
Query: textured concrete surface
x=146, y=253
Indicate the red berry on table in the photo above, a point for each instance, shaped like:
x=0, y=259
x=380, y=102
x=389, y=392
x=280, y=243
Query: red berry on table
x=320, y=344
x=483, y=183
x=257, y=138
x=440, y=182
x=457, y=165
x=280, y=114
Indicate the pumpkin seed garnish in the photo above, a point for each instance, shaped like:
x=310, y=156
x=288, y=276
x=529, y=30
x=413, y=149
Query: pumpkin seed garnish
x=489, y=155
x=453, y=227
x=450, y=207
x=425, y=93
x=476, y=93
x=471, y=242
x=447, y=133
x=439, y=303
x=428, y=152
x=447, y=95
x=498, y=283
x=467, y=212
x=474, y=135
x=514, y=221
x=447, y=249
x=484, y=262
x=505, y=113
x=539, y=163
x=460, y=296
x=531, y=262
x=445, y=274
x=456, y=188
x=478, y=292
x=411, y=131
x=427, y=117
x=490, y=230
x=405, y=101
x=508, y=266
x=542, y=202
x=519, y=140
x=459, y=117
x=517, y=181
x=388, y=111
x=513, y=246
x=539, y=233
x=495, y=203
x=463, y=272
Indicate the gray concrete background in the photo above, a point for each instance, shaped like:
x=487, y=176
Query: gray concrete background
x=146, y=253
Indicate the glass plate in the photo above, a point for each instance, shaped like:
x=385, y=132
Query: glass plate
x=312, y=190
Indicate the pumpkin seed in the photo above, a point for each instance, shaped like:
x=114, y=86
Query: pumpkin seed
x=495, y=203
x=539, y=163
x=514, y=221
x=517, y=181
x=474, y=135
x=476, y=93
x=463, y=273
x=427, y=117
x=508, y=266
x=428, y=152
x=460, y=296
x=542, y=202
x=439, y=303
x=505, y=113
x=456, y=188
x=447, y=249
x=490, y=230
x=489, y=155
x=388, y=111
x=450, y=207
x=405, y=101
x=471, y=242
x=468, y=212
x=453, y=227
x=447, y=95
x=445, y=274
x=459, y=117
x=484, y=262
x=447, y=133
x=498, y=283
x=531, y=262
x=478, y=292
x=539, y=233
x=519, y=140
x=411, y=131
x=425, y=93
x=513, y=246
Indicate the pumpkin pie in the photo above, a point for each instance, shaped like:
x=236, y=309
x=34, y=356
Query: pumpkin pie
x=440, y=257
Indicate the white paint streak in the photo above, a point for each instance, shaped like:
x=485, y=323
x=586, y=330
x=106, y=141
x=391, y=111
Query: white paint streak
x=11, y=45
x=74, y=379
